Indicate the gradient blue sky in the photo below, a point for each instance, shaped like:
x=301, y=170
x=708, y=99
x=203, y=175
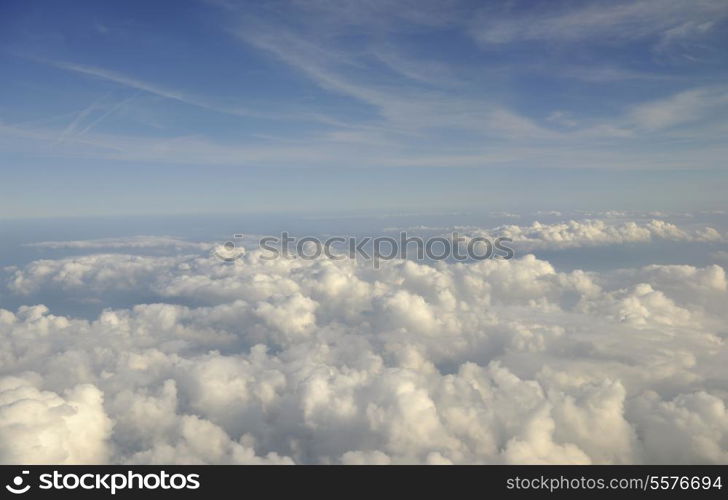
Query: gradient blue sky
x=111, y=108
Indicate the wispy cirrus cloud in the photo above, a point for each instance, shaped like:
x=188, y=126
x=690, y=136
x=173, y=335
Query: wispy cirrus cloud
x=612, y=22
x=181, y=96
x=368, y=93
x=683, y=107
x=403, y=108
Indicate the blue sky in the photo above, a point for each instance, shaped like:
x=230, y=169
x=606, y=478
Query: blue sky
x=112, y=108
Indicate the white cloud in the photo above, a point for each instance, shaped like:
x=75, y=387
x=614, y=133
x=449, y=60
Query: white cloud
x=615, y=22
x=333, y=362
x=596, y=232
x=684, y=107
x=426, y=111
x=134, y=242
x=154, y=89
x=97, y=272
x=42, y=427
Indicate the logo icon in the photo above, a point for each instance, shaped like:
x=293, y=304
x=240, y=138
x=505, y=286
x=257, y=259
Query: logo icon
x=18, y=487
x=228, y=252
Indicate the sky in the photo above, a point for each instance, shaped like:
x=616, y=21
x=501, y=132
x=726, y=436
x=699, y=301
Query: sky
x=137, y=137
x=132, y=108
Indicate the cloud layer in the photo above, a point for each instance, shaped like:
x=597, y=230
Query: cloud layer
x=596, y=232
x=293, y=361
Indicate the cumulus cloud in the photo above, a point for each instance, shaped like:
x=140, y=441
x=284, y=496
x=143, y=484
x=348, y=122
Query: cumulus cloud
x=596, y=232
x=322, y=361
x=611, y=228
x=97, y=272
x=41, y=427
